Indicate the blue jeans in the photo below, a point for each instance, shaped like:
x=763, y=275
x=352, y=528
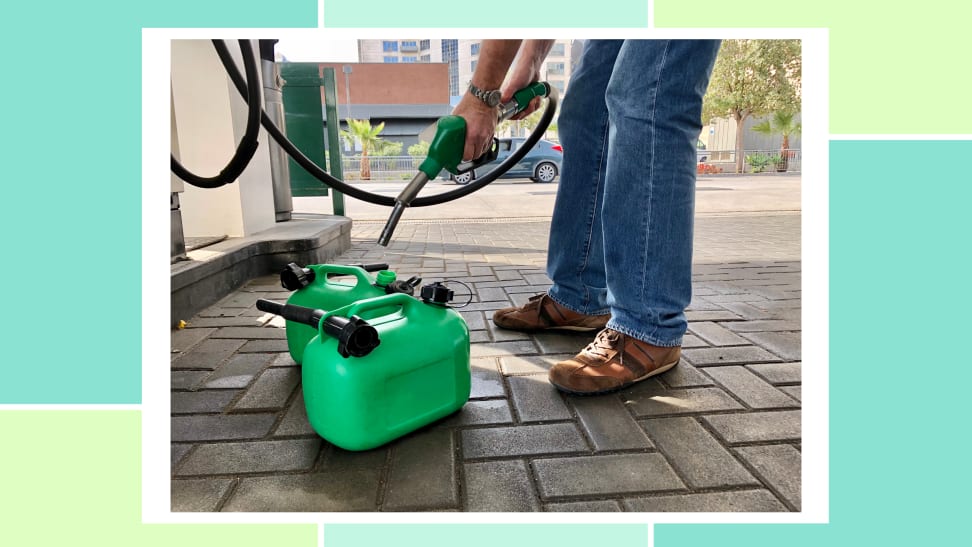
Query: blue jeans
x=621, y=235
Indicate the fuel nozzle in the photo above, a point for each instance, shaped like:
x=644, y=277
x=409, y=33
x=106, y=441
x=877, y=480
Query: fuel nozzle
x=356, y=338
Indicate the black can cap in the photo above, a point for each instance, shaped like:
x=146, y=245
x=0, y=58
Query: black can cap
x=436, y=293
x=294, y=278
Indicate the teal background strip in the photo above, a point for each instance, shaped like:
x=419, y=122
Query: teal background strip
x=71, y=222
x=899, y=370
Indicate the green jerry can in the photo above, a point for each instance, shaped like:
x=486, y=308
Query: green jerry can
x=315, y=288
x=418, y=373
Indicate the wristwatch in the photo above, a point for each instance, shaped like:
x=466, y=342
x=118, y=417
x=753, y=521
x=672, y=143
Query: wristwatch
x=491, y=98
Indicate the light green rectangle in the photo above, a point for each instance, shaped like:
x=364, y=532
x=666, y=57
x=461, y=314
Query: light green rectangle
x=893, y=69
x=74, y=478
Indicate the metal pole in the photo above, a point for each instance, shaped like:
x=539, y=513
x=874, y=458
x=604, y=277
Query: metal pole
x=346, y=69
x=333, y=140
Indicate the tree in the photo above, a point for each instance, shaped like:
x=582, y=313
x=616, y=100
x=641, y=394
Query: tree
x=781, y=122
x=753, y=78
x=362, y=131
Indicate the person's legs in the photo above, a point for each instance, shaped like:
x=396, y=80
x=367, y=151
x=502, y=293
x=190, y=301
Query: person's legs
x=654, y=101
x=575, y=254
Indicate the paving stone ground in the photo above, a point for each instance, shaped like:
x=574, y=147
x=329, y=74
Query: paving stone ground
x=720, y=432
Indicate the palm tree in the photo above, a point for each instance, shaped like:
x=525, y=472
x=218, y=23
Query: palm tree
x=363, y=132
x=782, y=123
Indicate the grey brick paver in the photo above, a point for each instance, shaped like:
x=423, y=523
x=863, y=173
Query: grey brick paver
x=264, y=346
x=499, y=349
x=522, y=441
x=735, y=355
x=295, y=420
x=486, y=379
x=750, y=389
x=784, y=344
x=652, y=399
x=198, y=494
x=681, y=441
x=182, y=340
x=535, y=400
x=716, y=334
x=781, y=425
x=601, y=475
x=348, y=482
x=530, y=364
x=251, y=457
x=488, y=412
x=600, y=506
x=498, y=486
x=207, y=354
x=422, y=473
x=251, y=333
x=768, y=325
x=779, y=465
x=271, y=389
x=757, y=501
x=698, y=457
x=685, y=375
x=238, y=372
x=210, y=400
x=792, y=391
x=778, y=373
x=608, y=424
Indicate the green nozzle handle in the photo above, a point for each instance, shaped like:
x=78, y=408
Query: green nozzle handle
x=445, y=150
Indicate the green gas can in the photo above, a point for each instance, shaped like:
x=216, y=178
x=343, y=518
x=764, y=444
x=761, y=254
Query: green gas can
x=316, y=287
x=418, y=373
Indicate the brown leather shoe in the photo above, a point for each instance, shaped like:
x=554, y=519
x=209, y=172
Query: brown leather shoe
x=541, y=313
x=611, y=362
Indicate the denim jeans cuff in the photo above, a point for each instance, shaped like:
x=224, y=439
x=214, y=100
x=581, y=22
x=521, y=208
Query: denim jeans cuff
x=576, y=309
x=655, y=341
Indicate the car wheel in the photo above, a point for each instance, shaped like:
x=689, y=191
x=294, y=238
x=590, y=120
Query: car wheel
x=464, y=178
x=545, y=172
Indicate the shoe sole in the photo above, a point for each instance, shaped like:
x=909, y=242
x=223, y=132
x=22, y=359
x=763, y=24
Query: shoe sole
x=543, y=329
x=655, y=372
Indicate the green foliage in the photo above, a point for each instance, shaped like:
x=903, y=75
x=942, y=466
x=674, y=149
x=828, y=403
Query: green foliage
x=387, y=148
x=780, y=123
x=420, y=149
x=754, y=78
x=362, y=131
x=759, y=162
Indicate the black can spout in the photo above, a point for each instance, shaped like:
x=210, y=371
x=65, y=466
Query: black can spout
x=356, y=338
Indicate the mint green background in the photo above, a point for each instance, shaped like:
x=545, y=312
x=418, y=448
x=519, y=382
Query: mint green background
x=71, y=168
x=486, y=535
x=457, y=14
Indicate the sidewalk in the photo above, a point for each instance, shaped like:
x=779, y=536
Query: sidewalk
x=720, y=432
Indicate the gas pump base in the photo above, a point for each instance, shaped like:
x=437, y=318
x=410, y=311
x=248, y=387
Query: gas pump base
x=215, y=271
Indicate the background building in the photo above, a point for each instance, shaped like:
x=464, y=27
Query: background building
x=407, y=97
x=462, y=56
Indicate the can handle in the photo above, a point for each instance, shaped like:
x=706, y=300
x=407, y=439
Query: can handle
x=321, y=270
x=394, y=299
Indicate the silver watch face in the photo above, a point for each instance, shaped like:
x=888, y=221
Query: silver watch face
x=492, y=98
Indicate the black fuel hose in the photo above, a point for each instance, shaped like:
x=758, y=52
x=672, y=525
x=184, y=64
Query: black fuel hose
x=357, y=193
x=249, y=143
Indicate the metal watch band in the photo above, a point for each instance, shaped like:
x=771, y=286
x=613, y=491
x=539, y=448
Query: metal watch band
x=490, y=98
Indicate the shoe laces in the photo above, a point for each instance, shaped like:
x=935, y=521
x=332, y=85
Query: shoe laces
x=605, y=340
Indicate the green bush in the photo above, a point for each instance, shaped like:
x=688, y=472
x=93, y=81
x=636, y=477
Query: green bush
x=759, y=162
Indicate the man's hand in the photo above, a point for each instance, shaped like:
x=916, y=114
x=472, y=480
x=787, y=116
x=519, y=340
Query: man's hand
x=480, y=125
